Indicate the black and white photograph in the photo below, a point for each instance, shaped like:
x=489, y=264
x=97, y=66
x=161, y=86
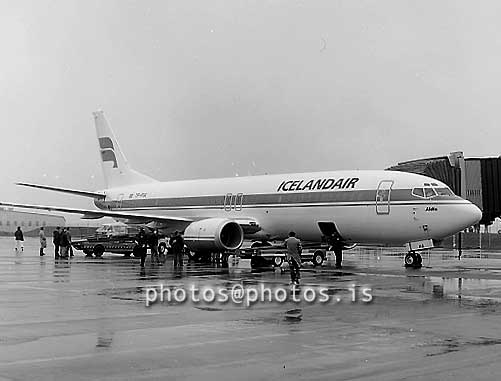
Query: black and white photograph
x=250, y=190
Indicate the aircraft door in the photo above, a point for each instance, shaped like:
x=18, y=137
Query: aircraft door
x=233, y=202
x=238, y=202
x=227, y=201
x=383, y=195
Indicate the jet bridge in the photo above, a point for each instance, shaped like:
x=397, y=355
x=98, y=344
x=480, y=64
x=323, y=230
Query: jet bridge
x=481, y=182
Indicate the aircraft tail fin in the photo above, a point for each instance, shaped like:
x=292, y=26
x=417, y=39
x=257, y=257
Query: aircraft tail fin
x=116, y=169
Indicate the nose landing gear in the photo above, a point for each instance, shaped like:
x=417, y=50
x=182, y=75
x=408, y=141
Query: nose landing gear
x=413, y=260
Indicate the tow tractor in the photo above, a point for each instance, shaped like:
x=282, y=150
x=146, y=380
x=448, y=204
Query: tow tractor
x=276, y=255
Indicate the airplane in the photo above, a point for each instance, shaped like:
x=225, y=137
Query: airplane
x=361, y=206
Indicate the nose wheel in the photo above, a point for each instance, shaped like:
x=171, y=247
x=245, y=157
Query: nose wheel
x=414, y=260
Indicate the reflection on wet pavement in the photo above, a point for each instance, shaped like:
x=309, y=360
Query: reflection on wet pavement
x=86, y=318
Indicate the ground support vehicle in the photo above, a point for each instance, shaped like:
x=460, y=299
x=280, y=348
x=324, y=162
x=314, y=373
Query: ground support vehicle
x=276, y=255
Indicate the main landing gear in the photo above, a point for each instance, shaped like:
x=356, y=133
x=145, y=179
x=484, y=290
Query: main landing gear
x=413, y=260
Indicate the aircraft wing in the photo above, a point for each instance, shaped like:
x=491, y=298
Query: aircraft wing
x=94, y=214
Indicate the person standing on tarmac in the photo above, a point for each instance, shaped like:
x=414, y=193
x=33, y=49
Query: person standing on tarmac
x=19, y=239
x=141, y=240
x=56, y=240
x=294, y=250
x=43, y=241
x=153, y=240
x=64, y=244
x=177, y=245
x=70, y=248
x=337, y=245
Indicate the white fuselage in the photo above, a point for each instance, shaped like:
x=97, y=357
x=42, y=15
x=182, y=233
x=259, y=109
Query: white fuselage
x=365, y=206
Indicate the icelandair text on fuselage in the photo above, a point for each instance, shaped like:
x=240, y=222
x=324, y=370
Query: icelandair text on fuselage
x=317, y=184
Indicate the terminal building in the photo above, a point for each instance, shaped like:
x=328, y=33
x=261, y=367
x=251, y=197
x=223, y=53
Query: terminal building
x=29, y=222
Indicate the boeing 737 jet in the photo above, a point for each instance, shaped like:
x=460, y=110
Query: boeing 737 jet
x=373, y=207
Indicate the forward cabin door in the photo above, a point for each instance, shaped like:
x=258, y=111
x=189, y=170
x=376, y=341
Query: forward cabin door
x=383, y=195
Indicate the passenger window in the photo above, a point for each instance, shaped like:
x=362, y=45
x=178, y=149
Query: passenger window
x=418, y=192
x=429, y=192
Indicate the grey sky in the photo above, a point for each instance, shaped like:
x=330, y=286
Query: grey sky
x=209, y=88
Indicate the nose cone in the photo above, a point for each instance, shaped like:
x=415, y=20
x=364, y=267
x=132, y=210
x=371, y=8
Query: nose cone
x=476, y=215
x=456, y=218
x=468, y=215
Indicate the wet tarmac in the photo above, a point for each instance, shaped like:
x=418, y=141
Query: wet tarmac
x=86, y=318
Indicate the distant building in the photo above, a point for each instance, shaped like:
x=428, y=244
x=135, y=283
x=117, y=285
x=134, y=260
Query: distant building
x=29, y=222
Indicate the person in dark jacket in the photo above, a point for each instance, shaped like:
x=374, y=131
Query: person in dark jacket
x=336, y=243
x=153, y=241
x=64, y=244
x=56, y=240
x=142, y=242
x=19, y=239
x=177, y=245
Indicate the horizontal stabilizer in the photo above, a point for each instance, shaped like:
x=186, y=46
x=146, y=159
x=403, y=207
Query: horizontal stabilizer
x=179, y=222
x=96, y=195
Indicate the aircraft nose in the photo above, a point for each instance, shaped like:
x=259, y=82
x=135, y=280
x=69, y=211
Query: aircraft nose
x=471, y=215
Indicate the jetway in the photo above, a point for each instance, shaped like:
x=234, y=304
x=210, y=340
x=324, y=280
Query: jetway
x=475, y=179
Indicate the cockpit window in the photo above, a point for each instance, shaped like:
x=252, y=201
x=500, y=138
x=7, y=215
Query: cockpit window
x=444, y=192
x=418, y=192
x=429, y=192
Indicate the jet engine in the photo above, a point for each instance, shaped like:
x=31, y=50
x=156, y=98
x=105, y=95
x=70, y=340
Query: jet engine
x=213, y=234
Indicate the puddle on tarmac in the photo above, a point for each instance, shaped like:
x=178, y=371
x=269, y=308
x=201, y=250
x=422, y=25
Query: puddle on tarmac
x=444, y=346
x=480, y=290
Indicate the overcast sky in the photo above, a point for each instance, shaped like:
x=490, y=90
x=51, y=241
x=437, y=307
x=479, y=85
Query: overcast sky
x=197, y=89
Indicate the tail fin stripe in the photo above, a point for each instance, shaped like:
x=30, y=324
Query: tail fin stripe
x=109, y=155
x=106, y=143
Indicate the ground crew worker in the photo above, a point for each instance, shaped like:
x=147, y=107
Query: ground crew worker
x=70, y=247
x=337, y=245
x=19, y=239
x=64, y=244
x=142, y=243
x=177, y=244
x=153, y=239
x=43, y=241
x=56, y=240
x=294, y=250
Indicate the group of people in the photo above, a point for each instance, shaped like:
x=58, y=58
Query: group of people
x=151, y=239
x=61, y=238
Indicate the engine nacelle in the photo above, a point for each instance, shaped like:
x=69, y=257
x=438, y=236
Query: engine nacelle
x=213, y=234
